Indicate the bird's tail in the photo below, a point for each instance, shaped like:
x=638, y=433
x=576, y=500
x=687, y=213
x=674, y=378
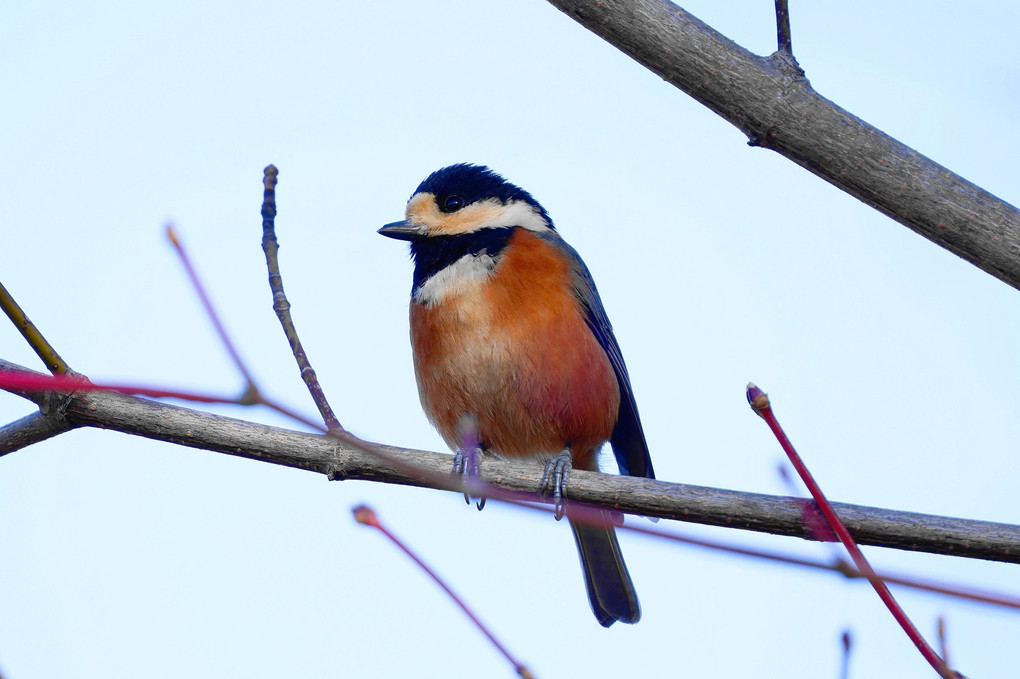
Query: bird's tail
x=610, y=589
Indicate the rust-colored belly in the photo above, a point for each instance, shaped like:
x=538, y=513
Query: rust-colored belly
x=516, y=352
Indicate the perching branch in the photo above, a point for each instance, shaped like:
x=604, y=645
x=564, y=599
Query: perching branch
x=337, y=460
x=770, y=100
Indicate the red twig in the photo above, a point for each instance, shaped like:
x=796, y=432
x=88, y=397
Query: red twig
x=196, y=283
x=847, y=645
x=810, y=515
x=37, y=382
x=759, y=401
x=943, y=638
x=365, y=515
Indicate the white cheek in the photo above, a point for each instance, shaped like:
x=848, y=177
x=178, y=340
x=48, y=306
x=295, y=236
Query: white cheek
x=519, y=213
x=463, y=276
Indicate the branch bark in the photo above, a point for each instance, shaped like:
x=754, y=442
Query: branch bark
x=29, y=430
x=712, y=506
x=770, y=100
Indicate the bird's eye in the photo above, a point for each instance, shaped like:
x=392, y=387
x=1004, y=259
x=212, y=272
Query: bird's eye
x=453, y=203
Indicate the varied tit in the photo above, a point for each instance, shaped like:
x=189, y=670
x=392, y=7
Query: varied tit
x=507, y=328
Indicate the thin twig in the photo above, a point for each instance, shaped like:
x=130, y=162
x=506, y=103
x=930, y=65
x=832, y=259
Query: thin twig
x=783, y=27
x=251, y=395
x=43, y=349
x=847, y=646
x=214, y=318
x=943, y=638
x=17, y=379
x=814, y=522
x=760, y=404
x=282, y=305
x=366, y=516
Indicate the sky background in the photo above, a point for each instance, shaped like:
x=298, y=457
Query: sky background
x=892, y=363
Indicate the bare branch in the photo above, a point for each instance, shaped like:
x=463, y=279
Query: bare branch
x=770, y=100
x=712, y=506
x=783, y=38
x=28, y=430
x=281, y=305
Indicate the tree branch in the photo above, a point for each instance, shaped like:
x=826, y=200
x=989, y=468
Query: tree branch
x=770, y=100
x=43, y=349
x=28, y=430
x=281, y=305
x=712, y=506
x=783, y=37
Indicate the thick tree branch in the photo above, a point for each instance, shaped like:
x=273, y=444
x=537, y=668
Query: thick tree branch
x=336, y=459
x=770, y=100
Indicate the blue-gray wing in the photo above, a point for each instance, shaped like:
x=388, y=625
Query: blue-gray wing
x=628, y=439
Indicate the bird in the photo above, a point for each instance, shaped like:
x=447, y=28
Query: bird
x=508, y=329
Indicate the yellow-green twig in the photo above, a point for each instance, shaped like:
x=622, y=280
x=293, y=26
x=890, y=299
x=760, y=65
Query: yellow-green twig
x=26, y=327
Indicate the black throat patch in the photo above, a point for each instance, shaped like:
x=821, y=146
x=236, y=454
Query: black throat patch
x=435, y=253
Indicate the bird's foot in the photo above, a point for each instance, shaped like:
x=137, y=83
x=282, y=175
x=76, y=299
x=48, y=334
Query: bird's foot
x=466, y=459
x=556, y=472
x=465, y=465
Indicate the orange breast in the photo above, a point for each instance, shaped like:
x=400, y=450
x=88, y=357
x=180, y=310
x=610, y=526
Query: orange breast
x=515, y=351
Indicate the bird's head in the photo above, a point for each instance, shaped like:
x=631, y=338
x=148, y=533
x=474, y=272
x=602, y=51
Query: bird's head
x=463, y=215
x=464, y=199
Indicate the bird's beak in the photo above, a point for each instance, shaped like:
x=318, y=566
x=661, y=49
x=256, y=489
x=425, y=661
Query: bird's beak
x=401, y=230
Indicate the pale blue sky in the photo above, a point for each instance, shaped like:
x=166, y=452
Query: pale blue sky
x=893, y=363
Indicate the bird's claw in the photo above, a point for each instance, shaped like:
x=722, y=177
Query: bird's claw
x=556, y=472
x=465, y=465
